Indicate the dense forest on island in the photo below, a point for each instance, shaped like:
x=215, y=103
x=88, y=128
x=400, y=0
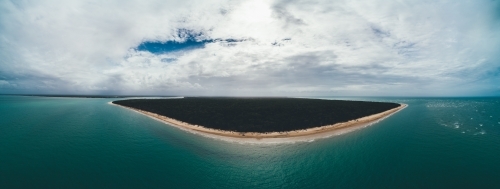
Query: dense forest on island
x=258, y=114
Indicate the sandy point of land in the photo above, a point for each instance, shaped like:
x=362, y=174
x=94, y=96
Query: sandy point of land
x=289, y=136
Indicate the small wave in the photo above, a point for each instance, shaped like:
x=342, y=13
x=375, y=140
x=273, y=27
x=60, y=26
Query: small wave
x=482, y=132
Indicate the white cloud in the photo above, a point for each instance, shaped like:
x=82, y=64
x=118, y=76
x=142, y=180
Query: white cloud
x=320, y=47
x=3, y=82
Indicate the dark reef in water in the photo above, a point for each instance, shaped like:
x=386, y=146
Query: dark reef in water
x=258, y=114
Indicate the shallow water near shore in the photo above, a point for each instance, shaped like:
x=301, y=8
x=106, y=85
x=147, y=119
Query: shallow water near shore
x=86, y=143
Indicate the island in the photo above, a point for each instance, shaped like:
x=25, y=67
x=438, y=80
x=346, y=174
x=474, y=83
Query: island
x=260, y=117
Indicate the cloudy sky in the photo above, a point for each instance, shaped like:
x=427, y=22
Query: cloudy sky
x=255, y=47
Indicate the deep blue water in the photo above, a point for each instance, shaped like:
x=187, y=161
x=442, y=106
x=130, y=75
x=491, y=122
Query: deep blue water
x=86, y=143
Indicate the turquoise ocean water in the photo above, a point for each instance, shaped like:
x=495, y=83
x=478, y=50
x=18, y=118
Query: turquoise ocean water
x=87, y=143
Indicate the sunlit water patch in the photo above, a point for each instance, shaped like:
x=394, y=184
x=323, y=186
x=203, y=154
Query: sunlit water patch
x=466, y=115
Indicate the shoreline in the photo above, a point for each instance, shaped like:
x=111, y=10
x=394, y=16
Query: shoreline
x=288, y=136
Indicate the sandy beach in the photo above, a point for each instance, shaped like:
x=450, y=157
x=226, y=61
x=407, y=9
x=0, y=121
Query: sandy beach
x=289, y=136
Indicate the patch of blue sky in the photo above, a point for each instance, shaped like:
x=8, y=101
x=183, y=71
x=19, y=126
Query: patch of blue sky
x=190, y=40
x=157, y=47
